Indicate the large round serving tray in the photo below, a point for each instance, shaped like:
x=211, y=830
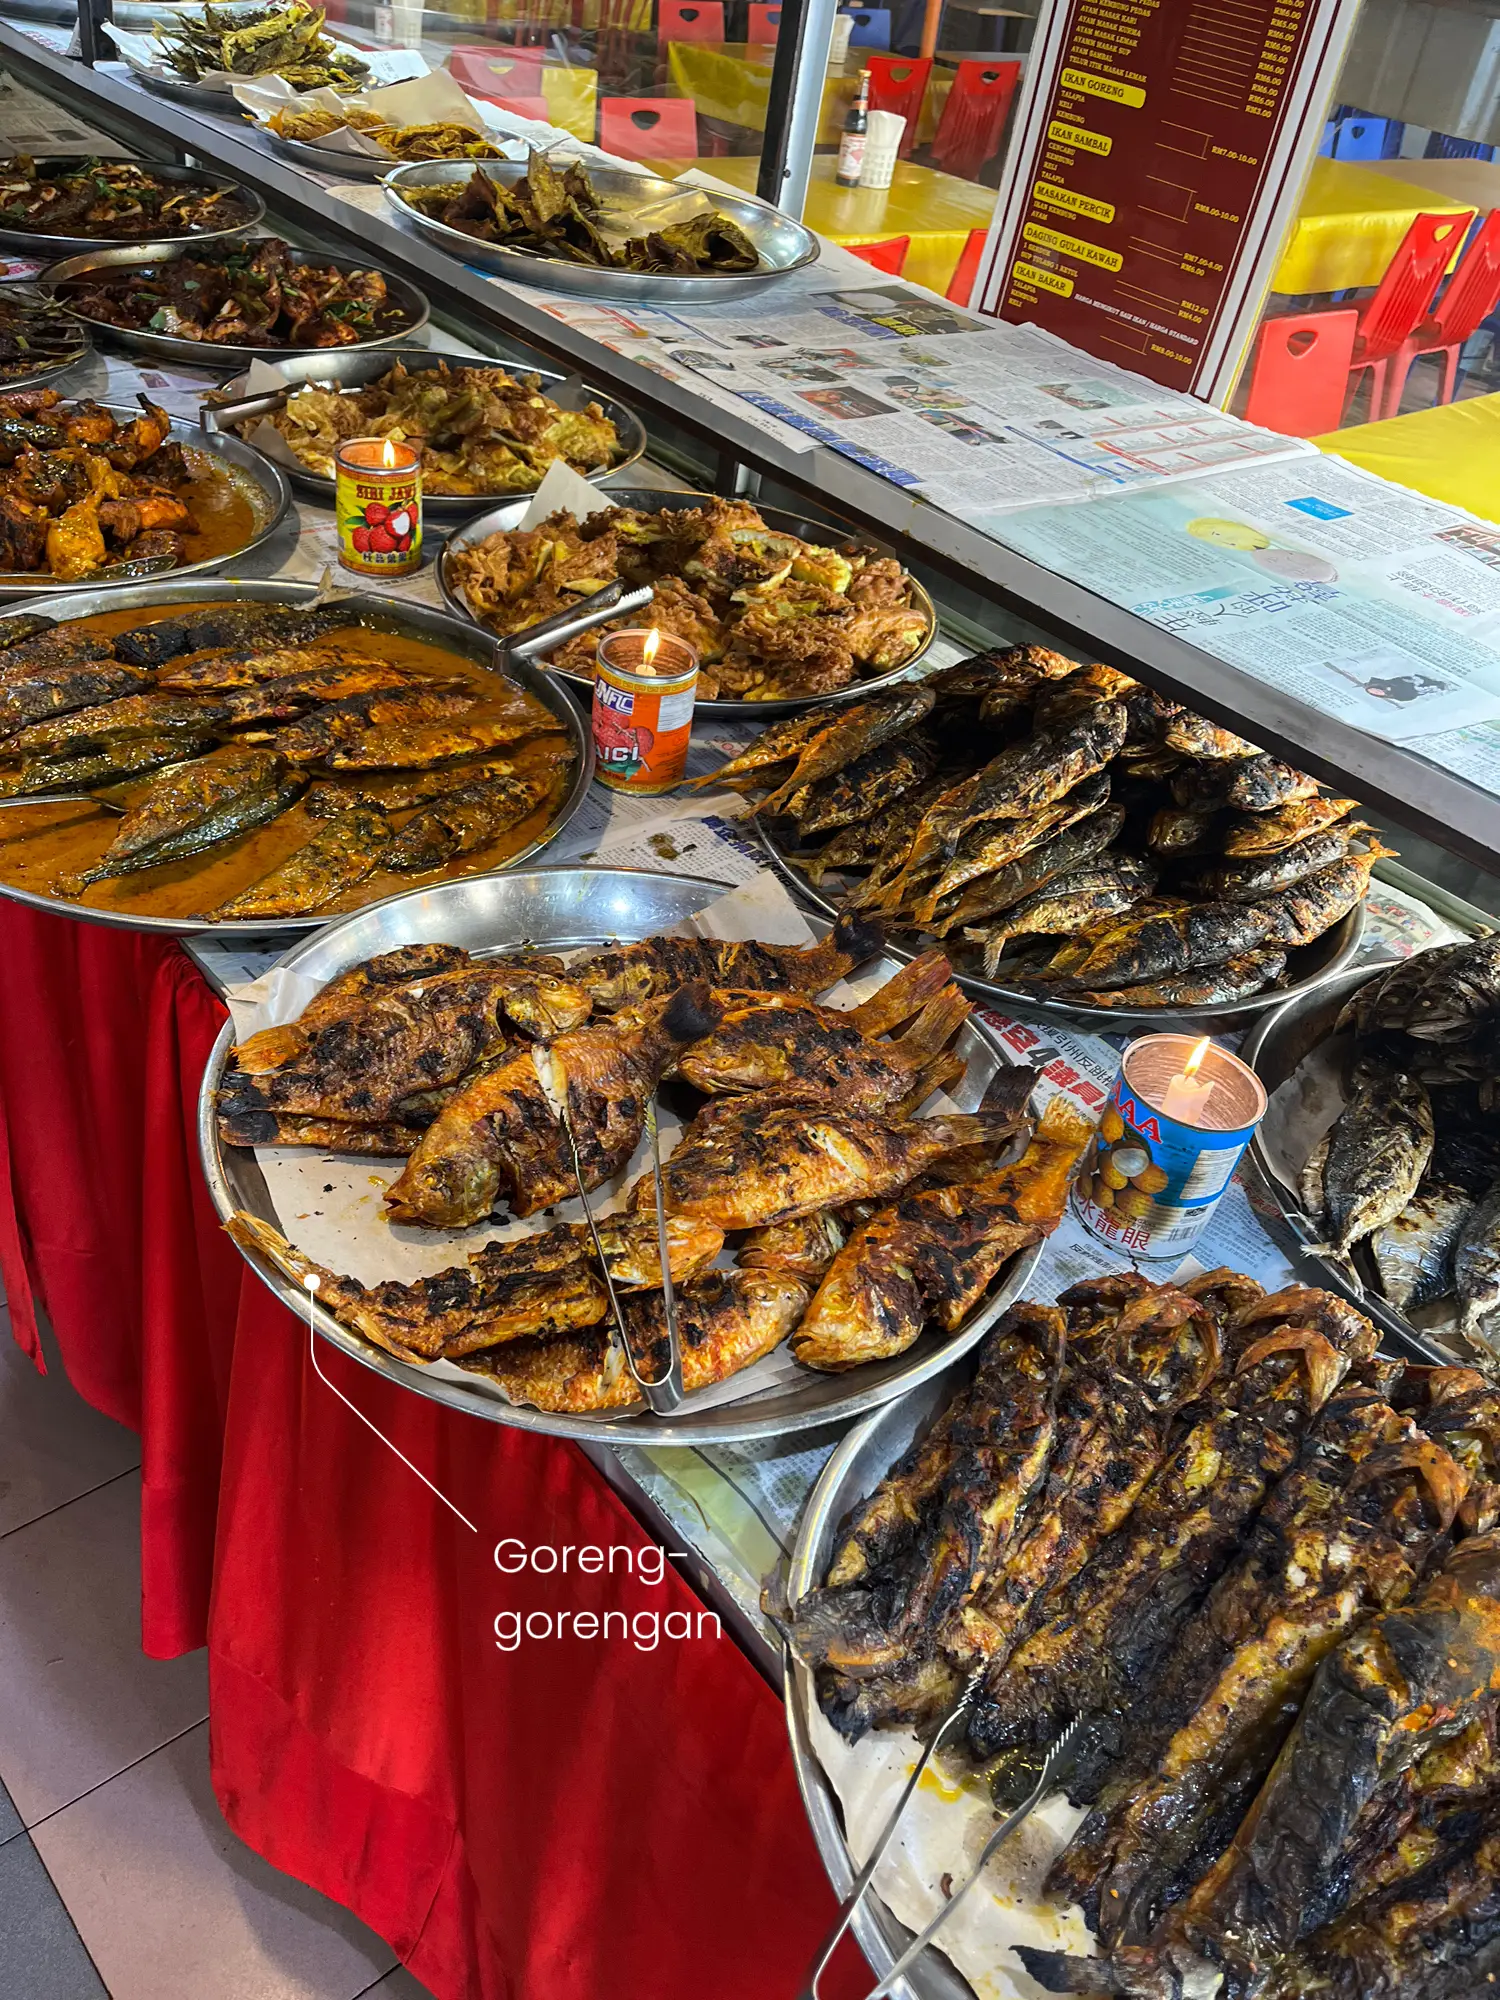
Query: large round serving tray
x=396, y=615
x=1312, y=965
x=784, y=245
x=55, y=280
x=1274, y=1049
x=262, y=484
x=808, y=523
x=352, y=370
x=861, y=1460
x=62, y=341
x=356, y=166
x=44, y=244
x=562, y=909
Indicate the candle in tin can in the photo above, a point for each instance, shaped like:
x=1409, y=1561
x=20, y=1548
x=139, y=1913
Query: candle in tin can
x=378, y=505
x=645, y=684
x=1170, y=1137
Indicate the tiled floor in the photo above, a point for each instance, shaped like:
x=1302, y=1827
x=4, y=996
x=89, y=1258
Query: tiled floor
x=118, y=1877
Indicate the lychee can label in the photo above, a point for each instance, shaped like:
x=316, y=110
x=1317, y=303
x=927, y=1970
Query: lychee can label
x=643, y=723
x=1149, y=1183
x=379, y=516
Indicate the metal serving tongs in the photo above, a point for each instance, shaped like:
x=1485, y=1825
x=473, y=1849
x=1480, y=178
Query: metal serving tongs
x=1057, y=1759
x=615, y=600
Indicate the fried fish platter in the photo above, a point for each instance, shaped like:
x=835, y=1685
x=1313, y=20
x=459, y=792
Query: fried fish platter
x=771, y=615
x=443, y=141
x=1252, y=1564
x=1065, y=833
x=822, y=1162
x=205, y=750
x=283, y=41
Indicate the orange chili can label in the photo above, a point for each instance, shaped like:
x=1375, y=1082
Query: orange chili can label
x=642, y=727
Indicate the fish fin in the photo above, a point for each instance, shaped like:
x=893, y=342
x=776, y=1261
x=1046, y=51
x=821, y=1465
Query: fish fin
x=252, y=1234
x=691, y=1013
x=938, y=1022
x=935, y=1074
x=901, y=997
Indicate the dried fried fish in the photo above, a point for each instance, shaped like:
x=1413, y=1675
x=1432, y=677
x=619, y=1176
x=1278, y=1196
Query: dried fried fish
x=1269, y=832
x=1318, y=901
x=1414, y=1252
x=850, y=733
x=1248, y=881
x=1069, y=903
x=340, y=854
x=1144, y=949
x=780, y=743
x=805, y=1246
x=995, y=850
x=1258, y=784
x=1476, y=1270
x=1235, y=979
x=1377, y=1153
x=1064, y=700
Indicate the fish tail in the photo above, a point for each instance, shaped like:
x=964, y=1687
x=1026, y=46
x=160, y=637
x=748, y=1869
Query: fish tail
x=691, y=1013
x=908, y=993
x=937, y=1073
x=939, y=1021
x=251, y=1234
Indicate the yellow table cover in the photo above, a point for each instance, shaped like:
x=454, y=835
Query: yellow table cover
x=731, y=83
x=1450, y=453
x=1350, y=227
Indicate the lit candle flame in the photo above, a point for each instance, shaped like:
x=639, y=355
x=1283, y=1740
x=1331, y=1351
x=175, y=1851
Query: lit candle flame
x=1195, y=1061
x=648, y=651
x=388, y=455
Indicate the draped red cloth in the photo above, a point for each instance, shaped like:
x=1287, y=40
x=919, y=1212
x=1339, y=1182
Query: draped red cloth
x=579, y=1816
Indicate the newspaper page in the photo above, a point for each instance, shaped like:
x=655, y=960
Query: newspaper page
x=1363, y=600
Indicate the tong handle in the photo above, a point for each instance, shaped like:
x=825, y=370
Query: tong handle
x=261, y=405
x=666, y=1391
x=866, y=1875
x=555, y=630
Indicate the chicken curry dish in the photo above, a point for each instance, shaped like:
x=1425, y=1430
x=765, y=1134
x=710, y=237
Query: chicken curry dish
x=770, y=616
x=87, y=495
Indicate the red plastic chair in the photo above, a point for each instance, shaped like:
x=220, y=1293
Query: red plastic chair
x=1472, y=294
x=966, y=270
x=649, y=128
x=487, y=71
x=1300, y=375
x=899, y=83
x=1403, y=298
x=764, y=22
x=888, y=256
x=972, y=126
x=689, y=21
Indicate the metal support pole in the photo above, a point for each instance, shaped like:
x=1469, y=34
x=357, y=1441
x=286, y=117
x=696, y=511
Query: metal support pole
x=798, y=76
x=92, y=45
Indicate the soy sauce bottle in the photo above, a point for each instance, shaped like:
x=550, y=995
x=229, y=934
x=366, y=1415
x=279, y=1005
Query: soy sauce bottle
x=852, y=145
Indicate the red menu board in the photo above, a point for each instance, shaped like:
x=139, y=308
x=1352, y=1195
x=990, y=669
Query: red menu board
x=1157, y=157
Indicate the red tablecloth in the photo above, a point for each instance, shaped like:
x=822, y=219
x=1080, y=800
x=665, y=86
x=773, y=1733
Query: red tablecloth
x=576, y=1817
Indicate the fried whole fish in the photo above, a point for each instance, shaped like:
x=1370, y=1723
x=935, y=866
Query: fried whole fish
x=1066, y=698
x=1042, y=768
x=1235, y=979
x=1439, y=996
x=930, y=1257
x=626, y=974
x=391, y=1140
x=1145, y=948
x=52, y=691
x=114, y=723
x=197, y=805
x=1414, y=1252
x=1003, y=679
x=1076, y=842
x=779, y=743
x=533, y=1286
x=1269, y=832
x=805, y=1247
x=862, y=844
x=1185, y=830
x=1377, y=1153
x=1069, y=904
x=415, y=746
x=848, y=734
x=1476, y=1272
x=343, y=852
x=470, y=818
x=997, y=848
x=1196, y=736
x=1318, y=901
x=745, y=1173
x=1258, y=784
x=1262, y=875
x=259, y=629
x=498, y=1135
x=725, y=1321
x=880, y=778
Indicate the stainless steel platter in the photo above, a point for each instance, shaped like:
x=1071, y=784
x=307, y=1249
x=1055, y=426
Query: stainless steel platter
x=395, y=615
x=809, y=523
x=61, y=341
x=1274, y=1049
x=559, y=910
x=262, y=484
x=352, y=370
x=352, y=166
x=42, y=244
x=859, y=1462
x=57, y=279
x=784, y=245
x=1310, y=967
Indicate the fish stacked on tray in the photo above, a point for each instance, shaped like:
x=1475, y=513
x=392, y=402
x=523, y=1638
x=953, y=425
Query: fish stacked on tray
x=1252, y=1562
x=1409, y=1175
x=856, y=1223
x=1018, y=798
x=202, y=728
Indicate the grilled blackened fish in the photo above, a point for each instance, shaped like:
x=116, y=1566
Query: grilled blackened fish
x=879, y=779
x=401, y=746
x=1262, y=875
x=998, y=850
x=848, y=734
x=59, y=690
x=931, y=1257
x=282, y=700
x=343, y=852
x=471, y=818
x=1142, y=949
x=392, y=1140
x=1042, y=768
x=1476, y=1272
x=371, y=1049
x=197, y=805
x=258, y=630
x=523, y=1289
x=112, y=762
x=1002, y=680
x=1438, y=996
x=1269, y=832
x=1414, y=1252
x=1319, y=901
x=725, y=1321
x=114, y=723
x=861, y=845
x=311, y=737
x=1233, y=980
x=1196, y=736
x=498, y=1135
x=1259, y=784
x=995, y=1446
x=1377, y=1153
x=1191, y=830
x=225, y=673
x=624, y=975
x=805, y=1247
x=1069, y=904
x=349, y=994
x=744, y=1173
x=782, y=743
x=65, y=648
x=1065, y=699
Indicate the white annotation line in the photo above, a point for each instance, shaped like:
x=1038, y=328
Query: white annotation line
x=312, y=1281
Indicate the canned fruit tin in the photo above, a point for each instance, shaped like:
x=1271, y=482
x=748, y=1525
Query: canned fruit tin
x=645, y=685
x=1150, y=1181
x=378, y=506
